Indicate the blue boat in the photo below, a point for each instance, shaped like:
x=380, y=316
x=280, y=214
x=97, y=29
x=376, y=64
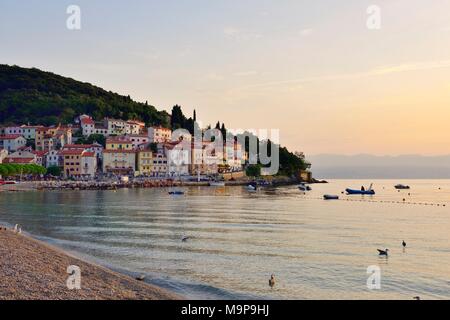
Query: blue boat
x=352, y=191
x=176, y=193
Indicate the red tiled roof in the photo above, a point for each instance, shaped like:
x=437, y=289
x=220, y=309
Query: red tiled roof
x=77, y=152
x=79, y=146
x=10, y=136
x=119, y=151
x=40, y=153
x=18, y=160
x=87, y=121
x=89, y=154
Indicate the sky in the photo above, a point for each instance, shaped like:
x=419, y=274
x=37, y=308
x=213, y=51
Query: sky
x=312, y=69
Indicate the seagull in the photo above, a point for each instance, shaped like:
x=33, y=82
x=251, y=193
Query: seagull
x=272, y=281
x=404, y=244
x=185, y=238
x=16, y=228
x=383, y=252
x=20, y=230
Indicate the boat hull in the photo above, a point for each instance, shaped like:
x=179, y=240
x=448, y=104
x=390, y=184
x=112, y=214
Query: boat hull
x=366, y=192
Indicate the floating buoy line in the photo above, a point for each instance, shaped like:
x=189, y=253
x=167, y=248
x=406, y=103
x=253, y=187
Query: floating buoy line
x=387, y=201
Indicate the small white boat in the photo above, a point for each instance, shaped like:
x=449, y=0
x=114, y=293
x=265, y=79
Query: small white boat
x=252, y=187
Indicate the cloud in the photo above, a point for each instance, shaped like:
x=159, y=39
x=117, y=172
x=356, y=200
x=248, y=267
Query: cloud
x=379, y=71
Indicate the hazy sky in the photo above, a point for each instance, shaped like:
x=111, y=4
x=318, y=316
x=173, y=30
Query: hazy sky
x=310, y=68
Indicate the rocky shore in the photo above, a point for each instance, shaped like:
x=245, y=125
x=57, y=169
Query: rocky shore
x=33, y=270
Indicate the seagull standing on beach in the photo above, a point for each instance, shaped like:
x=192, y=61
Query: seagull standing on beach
x=16, y=227
x=272, y=281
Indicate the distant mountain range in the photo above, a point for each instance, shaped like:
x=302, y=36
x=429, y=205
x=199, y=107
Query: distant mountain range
x=365, y=166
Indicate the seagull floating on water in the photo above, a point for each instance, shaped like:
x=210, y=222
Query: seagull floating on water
x=272, y=281
x=383, y=252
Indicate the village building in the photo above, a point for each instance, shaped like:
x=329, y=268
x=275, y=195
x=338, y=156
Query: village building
x=159, y=168
x=21, y=157
x=144, y=162
x=159, y=134
x=138, y=140
x=3, y=154
x=79, y=163
x=12, y=142
x=29, y=132
x=119, y=156
x=54, y=159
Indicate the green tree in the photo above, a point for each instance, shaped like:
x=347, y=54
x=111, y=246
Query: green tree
x=253, y=170
x=54, y=171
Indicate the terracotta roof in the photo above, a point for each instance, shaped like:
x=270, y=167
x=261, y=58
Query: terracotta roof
x=87, y=121
x=18, y=160
x=10, y=136
x=81, y=146
x=77, y=152
x=119, y=151
x=40, y=153
x=88, y=154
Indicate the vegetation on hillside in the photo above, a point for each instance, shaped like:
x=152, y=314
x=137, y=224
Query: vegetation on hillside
x=37, y=97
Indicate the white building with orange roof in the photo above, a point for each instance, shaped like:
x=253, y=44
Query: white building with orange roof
x=138, y=139
x=159, y=134
x=29, y=132
x=12, y=142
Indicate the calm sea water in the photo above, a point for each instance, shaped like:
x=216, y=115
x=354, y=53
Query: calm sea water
x=317, y=249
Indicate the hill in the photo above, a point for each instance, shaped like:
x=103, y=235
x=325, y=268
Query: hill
x=38, y=97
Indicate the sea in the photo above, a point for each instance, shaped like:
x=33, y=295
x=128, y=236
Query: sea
x=236, y=239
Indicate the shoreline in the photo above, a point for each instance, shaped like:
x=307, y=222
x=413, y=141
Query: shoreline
x=31, y=269
x=91, y=185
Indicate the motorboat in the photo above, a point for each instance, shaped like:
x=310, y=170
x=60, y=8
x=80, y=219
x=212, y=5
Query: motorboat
x=330, y=197
x=252, y=187
x=402, y=187
x=176, y=193
x=362, y=191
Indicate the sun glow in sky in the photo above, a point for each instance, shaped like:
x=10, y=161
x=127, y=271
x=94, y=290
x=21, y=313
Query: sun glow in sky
x=310, y=68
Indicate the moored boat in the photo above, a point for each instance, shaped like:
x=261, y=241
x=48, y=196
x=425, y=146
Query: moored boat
x=362, y=191
x=330, y=197
x=402, y=187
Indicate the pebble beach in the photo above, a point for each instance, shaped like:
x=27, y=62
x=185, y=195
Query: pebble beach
x=33, y=270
